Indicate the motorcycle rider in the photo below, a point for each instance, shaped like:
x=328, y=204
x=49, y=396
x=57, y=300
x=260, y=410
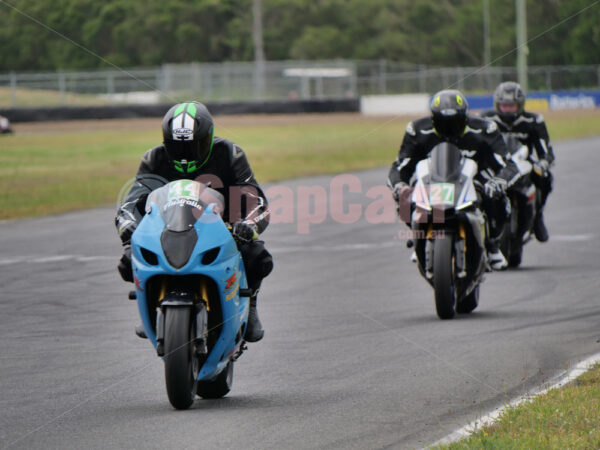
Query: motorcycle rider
x=480, y=139
x=530, y=128
x=191, y=151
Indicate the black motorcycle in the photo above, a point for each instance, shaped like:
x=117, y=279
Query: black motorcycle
x=522, y=197
x=449, y=229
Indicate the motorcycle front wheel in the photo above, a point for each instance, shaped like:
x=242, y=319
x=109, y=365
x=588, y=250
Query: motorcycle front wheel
x=443, y=282
x=181, y=365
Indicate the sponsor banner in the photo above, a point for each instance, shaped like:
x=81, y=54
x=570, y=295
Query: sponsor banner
x=480, y=101
x=544, y=101
x=573, y=100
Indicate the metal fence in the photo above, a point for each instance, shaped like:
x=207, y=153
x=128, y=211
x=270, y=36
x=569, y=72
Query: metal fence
x=273, y=80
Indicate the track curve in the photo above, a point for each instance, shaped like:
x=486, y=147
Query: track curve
x=354, y=356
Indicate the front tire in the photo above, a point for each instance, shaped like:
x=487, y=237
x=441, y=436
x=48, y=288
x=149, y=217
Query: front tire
x=181, y=365
x=443, y=282
x=220, y=386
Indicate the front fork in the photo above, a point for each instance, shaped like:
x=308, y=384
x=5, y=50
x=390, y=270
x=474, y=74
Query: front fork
x=200, y=307
x=460, y=249
x=201, y=329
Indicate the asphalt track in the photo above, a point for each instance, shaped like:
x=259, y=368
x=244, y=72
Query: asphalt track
x=354, y=356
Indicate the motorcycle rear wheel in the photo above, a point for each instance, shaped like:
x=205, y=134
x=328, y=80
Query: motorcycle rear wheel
x=181, y=365
x=443, y=282
x=219, y=387
x=516, y=255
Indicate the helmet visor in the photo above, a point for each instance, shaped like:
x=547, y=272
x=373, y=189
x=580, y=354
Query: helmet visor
x=450, y=126
x=192, y=152
x=508, y=108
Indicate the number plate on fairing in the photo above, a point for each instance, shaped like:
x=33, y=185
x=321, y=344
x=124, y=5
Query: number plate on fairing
x=441, y=194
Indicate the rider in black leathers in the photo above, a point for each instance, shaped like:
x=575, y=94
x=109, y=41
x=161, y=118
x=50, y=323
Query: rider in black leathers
x=530, y=129
x=479, y=139
x=191, y=151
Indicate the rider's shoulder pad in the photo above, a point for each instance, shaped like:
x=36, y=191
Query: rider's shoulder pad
x=154, y=158
x=237, y=151
x=410, y=129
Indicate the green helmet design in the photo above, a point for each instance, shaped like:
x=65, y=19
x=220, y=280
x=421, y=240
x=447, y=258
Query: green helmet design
x=449, y=113
x=188, y=134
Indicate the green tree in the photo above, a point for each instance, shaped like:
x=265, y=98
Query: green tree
x=433, y=32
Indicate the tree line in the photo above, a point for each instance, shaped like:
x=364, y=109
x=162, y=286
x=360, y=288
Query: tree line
x=52, y=34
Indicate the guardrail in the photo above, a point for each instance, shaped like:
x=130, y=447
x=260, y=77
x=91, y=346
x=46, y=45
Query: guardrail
x=131, y=111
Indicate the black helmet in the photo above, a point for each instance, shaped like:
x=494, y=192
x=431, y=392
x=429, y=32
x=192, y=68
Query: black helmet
x=449, y=113
x=188, y=132
x=509, y=101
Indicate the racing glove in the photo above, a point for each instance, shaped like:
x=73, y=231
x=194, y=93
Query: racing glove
x=244, y=231
x=402, y=192
x=541, y=167
x=495, y=187
x=124, y=266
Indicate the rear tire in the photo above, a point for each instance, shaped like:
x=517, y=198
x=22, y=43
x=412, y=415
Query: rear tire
x=181, y=365
x=443, y=283
x=516, y=254
x=469, y=303
x=219, y=387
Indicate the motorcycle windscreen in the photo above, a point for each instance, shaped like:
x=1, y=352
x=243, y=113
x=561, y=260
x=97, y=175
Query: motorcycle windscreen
x=181, y=203
x=446, y=163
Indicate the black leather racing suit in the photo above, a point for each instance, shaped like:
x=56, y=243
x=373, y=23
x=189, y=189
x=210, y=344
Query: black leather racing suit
x=484, y=144
x=228, y=171
x=531, y=130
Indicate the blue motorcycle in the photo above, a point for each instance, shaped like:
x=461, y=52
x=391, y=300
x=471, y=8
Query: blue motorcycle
x=191, y=289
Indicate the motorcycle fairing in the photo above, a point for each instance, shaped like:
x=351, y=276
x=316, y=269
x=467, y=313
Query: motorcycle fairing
x=424, y=188
x=461, y=216
x=212, y=234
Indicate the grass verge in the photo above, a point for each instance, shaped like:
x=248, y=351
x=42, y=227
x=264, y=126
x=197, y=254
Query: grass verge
x=564, y=418
x=62, y=169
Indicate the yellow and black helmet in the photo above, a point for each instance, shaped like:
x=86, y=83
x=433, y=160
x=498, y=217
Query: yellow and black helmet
x=449, y=113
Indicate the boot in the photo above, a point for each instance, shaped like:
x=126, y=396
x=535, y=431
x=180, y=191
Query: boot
x=539, y=228
x=413, y=257
x=254, y=329
x=496, y=259
x=139, y=331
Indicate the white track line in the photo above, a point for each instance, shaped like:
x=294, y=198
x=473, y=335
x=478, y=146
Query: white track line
x=40, y=259
x=492, y=417
x=572, y=237
x=341, y=247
